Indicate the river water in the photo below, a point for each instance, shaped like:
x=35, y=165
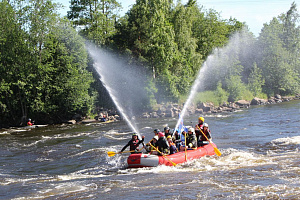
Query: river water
x=260, y=160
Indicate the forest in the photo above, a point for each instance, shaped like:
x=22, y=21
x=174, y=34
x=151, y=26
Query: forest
x=47, y=74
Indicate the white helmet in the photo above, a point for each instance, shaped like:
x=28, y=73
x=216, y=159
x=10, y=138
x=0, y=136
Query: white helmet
x=191, y=129
x=205, y=124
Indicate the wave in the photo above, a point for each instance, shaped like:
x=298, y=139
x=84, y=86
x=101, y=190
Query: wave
x=286, y=140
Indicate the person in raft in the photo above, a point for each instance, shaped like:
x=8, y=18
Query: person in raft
x=173, y=148
x=202, y=140
x=29, y=123
x=177, y=139
x=148, y=146
x=199, y=127
x=191, y=140
x=162, y=144
x=152, y=149
x=134, y=143
x=167, y=131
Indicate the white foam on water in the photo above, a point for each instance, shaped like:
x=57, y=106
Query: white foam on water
x=116, y=138
x=286, y=140
x=61, y=189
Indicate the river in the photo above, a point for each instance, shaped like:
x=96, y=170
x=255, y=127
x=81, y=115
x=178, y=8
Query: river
x=260, y=160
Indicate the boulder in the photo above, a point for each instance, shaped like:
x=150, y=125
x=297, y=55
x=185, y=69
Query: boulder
x=258, y=101
x=277, y=96
x=71, y=121
x=243, y=103
x=154, y=115
x=199, y=111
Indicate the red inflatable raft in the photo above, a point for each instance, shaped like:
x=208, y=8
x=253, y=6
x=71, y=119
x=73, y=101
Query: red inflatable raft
x=148, y=160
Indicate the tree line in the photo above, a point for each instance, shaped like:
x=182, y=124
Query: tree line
x=47, y=74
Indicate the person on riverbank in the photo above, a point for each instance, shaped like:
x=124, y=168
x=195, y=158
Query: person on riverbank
x=199, y=126
x=29, y=123
x=133, y=143
x=202, y=140
x=173, y=148
x=162, y=144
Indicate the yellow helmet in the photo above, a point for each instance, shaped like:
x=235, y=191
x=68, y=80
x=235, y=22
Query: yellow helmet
x=169, y=136
x=201, y=118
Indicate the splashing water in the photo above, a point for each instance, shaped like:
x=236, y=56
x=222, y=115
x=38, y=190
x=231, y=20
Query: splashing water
x=124, y=85
x=217, y=65
x=192, y=94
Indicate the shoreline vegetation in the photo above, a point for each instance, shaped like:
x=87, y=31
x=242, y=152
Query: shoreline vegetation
x=49, y=75
x=172, y=110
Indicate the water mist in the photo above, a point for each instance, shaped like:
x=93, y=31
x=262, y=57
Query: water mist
x=219, y=64
x=124, y=83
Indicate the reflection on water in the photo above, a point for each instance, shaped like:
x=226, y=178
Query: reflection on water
x=260, y=160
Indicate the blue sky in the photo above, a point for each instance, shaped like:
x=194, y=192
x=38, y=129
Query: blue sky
x=254, y=12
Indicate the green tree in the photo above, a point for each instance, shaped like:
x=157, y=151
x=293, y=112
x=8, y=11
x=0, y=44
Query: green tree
x=14, y=62
x=96, y=19
x=279, y=72
x=221, y=94
x=256, y=81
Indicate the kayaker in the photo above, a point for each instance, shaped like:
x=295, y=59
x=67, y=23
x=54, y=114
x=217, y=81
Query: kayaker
x=173, y=148
x=162, y=144
x=199, y=126
x=134, y=143
x=202, y=139
x=191, y=140
x=29, y=123
x=167, y=131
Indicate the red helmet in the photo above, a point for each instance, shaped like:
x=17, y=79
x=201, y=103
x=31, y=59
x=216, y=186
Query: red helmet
x=161, y=134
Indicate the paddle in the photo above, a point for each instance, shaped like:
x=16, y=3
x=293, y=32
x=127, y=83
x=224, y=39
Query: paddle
x=112, y=153
x=174, y=164
x=215, y=148
x=185, y=146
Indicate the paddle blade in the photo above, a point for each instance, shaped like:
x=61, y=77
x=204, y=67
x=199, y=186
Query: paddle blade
x=217, y=151
x=111, y=153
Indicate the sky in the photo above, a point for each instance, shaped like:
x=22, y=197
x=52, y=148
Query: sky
x=254, y=12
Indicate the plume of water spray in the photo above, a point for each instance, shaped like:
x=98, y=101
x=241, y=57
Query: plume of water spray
x=124, y=83
x=219, y=64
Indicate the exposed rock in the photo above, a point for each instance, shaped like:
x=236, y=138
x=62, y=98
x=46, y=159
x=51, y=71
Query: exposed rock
x=145, y=115
x=233, y=106
x=258, y=101
x=243, y=103
x=154, y=115
x=169, y=112
x=199, y=110
x=277, y=96
x=71, y=121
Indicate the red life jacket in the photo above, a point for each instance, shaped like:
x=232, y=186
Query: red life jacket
x=197, y=131
x=203, y=138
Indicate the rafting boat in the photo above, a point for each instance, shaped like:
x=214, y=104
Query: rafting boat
x=148, y=160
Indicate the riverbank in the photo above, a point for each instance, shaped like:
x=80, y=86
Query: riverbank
x=172, y=110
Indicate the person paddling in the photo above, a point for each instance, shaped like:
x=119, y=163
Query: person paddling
x=202, y=140
x=134, y=143
x=191, y=140
x=29, y=123
x=162, y=145
x=173, y=148
x=199, y=127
